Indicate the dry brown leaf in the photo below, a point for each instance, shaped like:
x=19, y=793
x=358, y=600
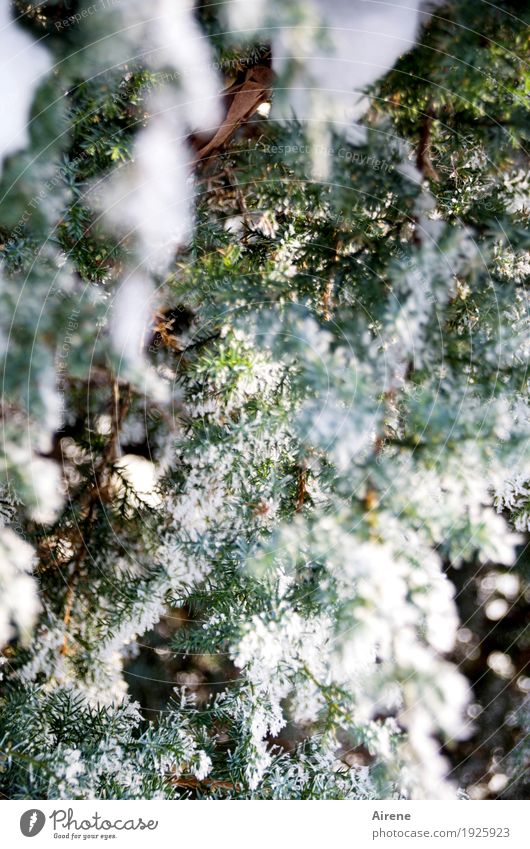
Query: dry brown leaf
x=245, y=98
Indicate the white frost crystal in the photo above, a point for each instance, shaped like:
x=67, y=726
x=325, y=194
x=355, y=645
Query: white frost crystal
x=339, y=46
x=151, y=197
x=19, y=603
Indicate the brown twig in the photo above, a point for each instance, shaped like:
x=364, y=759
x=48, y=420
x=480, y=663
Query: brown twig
x=95, y=494
x=301, y=488
x=207, y=783
x=326, y=301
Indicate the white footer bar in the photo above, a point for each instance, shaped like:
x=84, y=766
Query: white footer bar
x=274, y=825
